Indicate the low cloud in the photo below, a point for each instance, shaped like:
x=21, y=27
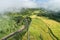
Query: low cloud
x=52, y=5
x=7, y=4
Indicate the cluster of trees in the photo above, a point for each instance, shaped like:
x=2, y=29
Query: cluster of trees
x=43, y=12
x=16, y=20
x=28, y=11
x=50, y=14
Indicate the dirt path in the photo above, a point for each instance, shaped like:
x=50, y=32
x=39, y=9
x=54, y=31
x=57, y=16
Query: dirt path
x=10, y=35
x=26, y=26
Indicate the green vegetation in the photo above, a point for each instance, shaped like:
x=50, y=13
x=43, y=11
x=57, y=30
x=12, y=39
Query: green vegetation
x=45, y=25
x=39, y=28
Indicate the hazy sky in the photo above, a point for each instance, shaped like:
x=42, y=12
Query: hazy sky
x=4, y=4
x=51, y=4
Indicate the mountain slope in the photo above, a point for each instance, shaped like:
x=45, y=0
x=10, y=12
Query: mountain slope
x=39, y=29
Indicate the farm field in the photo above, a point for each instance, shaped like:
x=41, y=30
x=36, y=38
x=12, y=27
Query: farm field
x=40, y=28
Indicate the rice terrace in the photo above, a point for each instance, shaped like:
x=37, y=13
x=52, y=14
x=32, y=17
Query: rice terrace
x=28, y=21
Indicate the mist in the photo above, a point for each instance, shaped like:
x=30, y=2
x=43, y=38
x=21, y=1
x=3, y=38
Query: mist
x=52, y=5
x=9, y=5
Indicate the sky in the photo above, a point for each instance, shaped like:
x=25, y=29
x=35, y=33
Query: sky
x=48, y=4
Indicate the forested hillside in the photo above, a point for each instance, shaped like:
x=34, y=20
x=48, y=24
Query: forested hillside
x=30, y=24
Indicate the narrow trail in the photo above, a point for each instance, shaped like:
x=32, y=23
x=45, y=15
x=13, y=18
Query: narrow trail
x=12, y=34
x=25, y=26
